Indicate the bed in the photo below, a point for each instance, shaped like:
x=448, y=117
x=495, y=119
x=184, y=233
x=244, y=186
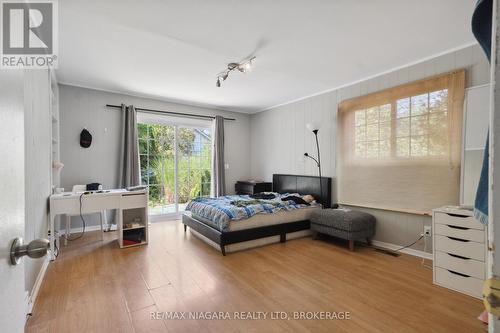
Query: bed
x=263, y=227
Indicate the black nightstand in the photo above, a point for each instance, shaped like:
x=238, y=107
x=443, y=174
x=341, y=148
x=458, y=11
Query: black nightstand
x=245, y=187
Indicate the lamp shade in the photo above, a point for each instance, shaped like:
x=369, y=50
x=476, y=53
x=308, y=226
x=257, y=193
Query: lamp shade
x=57, y=165
x=312, y=126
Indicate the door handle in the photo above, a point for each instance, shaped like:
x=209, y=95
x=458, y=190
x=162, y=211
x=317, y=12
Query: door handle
x=35, y=249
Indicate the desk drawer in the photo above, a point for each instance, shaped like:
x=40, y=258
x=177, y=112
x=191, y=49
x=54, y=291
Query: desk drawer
x=456, y=281
x=90, y=203
x=457, y=220
x=475, y=235
x=134, y=201
x=459, y=264
x=464, y=248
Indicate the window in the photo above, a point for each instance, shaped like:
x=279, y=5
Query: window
x=399, y=149
x=416, y=126
x=175, y=164
x=373, y=132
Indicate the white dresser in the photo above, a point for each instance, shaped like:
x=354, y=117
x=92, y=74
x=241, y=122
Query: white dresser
x=459, y=246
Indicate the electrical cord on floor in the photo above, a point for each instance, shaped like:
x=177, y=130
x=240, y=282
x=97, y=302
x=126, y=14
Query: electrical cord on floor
x=83, y=221
x=404, y=247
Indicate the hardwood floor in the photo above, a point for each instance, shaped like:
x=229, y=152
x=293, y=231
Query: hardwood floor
x=96, y=287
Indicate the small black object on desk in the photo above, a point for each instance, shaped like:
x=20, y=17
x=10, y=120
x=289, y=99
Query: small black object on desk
x=246, y=187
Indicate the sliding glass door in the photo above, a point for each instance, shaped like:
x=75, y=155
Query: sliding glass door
x=175, y=164
x=194, y=164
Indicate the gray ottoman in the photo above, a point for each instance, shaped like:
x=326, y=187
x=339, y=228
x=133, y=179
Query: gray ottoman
x=344, y=223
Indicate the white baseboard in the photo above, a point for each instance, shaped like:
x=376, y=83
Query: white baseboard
x=412, y=252
x=36, y=286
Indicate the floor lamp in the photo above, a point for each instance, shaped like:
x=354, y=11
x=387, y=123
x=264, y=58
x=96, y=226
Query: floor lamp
x=315, y=130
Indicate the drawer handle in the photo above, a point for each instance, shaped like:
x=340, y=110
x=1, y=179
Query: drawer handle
x=457, y=256
x=457, y=227
x=457, y=273
x=458, y=239
x=456, y=215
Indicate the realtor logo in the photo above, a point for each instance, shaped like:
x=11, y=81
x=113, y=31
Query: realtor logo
x=28, y=34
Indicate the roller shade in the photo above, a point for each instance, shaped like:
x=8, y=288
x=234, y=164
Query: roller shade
x=400, y=149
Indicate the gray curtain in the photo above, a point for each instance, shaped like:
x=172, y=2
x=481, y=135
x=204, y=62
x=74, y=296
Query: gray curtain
x=218, y=177
x=129, y=157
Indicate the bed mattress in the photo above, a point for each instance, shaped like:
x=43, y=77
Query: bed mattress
x=221, y=211
x=262, y=220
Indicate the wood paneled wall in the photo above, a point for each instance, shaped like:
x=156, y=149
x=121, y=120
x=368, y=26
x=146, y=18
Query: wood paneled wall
x=279, y=136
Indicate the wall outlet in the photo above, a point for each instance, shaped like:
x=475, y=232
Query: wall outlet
x=427, y=230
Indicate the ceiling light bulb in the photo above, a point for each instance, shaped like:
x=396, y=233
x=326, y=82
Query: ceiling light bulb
x=218, y=83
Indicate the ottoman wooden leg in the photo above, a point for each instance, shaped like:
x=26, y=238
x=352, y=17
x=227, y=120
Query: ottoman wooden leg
x=369, y=242
x=351, y=245
x=315, y=235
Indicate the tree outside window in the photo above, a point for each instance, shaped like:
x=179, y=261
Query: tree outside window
x=157, y=148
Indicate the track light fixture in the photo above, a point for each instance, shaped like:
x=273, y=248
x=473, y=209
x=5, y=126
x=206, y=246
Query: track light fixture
x=243, y=67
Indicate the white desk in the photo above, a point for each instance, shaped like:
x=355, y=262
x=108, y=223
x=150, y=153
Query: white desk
x=69, y=203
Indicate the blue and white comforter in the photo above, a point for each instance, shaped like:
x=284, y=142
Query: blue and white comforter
x=220, y=211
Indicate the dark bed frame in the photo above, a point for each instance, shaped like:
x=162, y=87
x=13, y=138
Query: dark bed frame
x=281, y=184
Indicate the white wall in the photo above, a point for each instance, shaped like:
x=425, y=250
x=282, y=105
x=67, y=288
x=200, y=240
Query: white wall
x=279, y=137
x=86, y=108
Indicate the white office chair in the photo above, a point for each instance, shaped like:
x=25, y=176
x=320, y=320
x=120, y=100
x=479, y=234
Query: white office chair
x=80, y=189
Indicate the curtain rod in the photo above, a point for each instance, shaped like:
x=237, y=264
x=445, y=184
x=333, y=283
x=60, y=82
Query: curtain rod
x=177, y=114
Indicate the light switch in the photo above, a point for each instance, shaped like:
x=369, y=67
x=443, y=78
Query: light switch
x=226, y=166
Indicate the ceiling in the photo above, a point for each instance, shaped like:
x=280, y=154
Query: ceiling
x=172, y=50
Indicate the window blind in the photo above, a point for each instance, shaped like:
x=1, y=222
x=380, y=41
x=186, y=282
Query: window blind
x=400, y=149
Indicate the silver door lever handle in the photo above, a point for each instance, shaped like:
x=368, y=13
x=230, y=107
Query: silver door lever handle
x=35, y=249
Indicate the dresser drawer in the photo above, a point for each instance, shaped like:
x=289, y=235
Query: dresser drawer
x=475, y=235
x=459, y=264
x=458, y=282
x=457, y=220
x=464, y=248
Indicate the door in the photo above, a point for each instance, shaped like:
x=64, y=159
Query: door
x=175, y=163
x=194, y=165
x=12, y=294
x=493, y=261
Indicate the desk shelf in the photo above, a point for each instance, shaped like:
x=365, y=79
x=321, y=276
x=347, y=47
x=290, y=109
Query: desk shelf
x=134, y=209
x=133, y=228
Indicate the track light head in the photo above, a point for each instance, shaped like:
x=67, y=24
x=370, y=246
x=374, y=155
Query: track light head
x=221, y=77
x=243, y=67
